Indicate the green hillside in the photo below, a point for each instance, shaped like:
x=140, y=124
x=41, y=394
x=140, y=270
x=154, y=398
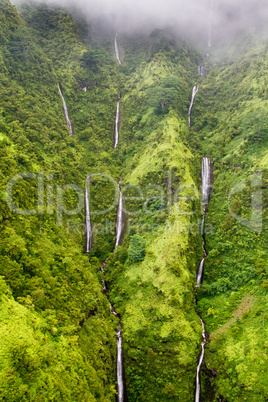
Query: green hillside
x=58, y=334
x=230, y=120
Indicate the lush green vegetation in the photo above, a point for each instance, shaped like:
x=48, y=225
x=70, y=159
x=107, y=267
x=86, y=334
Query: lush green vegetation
x=58, y=336
x=57, y=332
x=230, y=120
x=55, y=289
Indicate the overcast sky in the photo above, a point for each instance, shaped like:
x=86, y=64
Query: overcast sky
x=190, y=16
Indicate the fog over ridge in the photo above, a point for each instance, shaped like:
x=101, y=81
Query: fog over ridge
x=191, y=17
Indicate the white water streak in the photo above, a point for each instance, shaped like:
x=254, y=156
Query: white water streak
x=119, y=219
x=88, y=228
x=112, y=309
x=202, y=71
x=116, y=49
x=117, y=117
x=206, y=180
x=198, y=387
x=120, y=367
x=67, y=118
x=194, y=92
x=200, y=272
x=104, y=288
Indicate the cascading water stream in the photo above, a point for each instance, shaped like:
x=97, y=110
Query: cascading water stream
x=119, y=354
x=116, y=49
x=201, y=357
x=88, y=243
x=119, y=220
x=206, y=188
x=207, y=182
x=117, y=123
x=88, y=226
x=67, y=118
x=118, y=236
x=119, y=368
x=200, y=272
x=202, y=71
x=194, y=92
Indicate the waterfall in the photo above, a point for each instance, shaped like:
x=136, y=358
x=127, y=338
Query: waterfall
x=206, y=176
x=67, y=118
x=88, y=226
x=117, y=123
x=194, y=92
x=206, y=187
x=119, y=370
x=119, y=355
x=116, y=49
x=112, y=309
x=118, y=236
x=200, y=272
x=88, y=242
x=202, y=71
x=105, y=289
x=201, y=357
x=119, y=219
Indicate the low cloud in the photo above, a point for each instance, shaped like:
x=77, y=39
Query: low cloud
x=192, y=18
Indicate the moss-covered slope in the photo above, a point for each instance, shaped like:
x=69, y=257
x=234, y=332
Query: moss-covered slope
x=230, y=120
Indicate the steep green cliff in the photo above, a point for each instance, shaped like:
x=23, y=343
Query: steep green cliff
x=230, y=121
x=58, y=335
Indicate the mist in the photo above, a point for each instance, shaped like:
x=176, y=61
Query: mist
x=192, y=19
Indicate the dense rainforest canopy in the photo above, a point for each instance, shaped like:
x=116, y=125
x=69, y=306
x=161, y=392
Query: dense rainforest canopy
x=58, y=336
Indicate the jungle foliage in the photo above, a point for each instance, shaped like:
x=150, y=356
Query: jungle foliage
x=57, y=332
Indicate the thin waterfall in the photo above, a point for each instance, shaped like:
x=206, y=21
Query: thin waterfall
x=117, y=122
x=119, y=354
x=206, y=188
x=200, y=361
x=194, y=92
x=202, y=71
x=112, y=309
x=119, y=363
x=119, y=219
x=200, y=272
x=88, y=243
x=67, y=118
x=104, y=288
x=119, y=359
x=206, y=176
x=88, y=226
x=119, y=369
x=116, y=49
